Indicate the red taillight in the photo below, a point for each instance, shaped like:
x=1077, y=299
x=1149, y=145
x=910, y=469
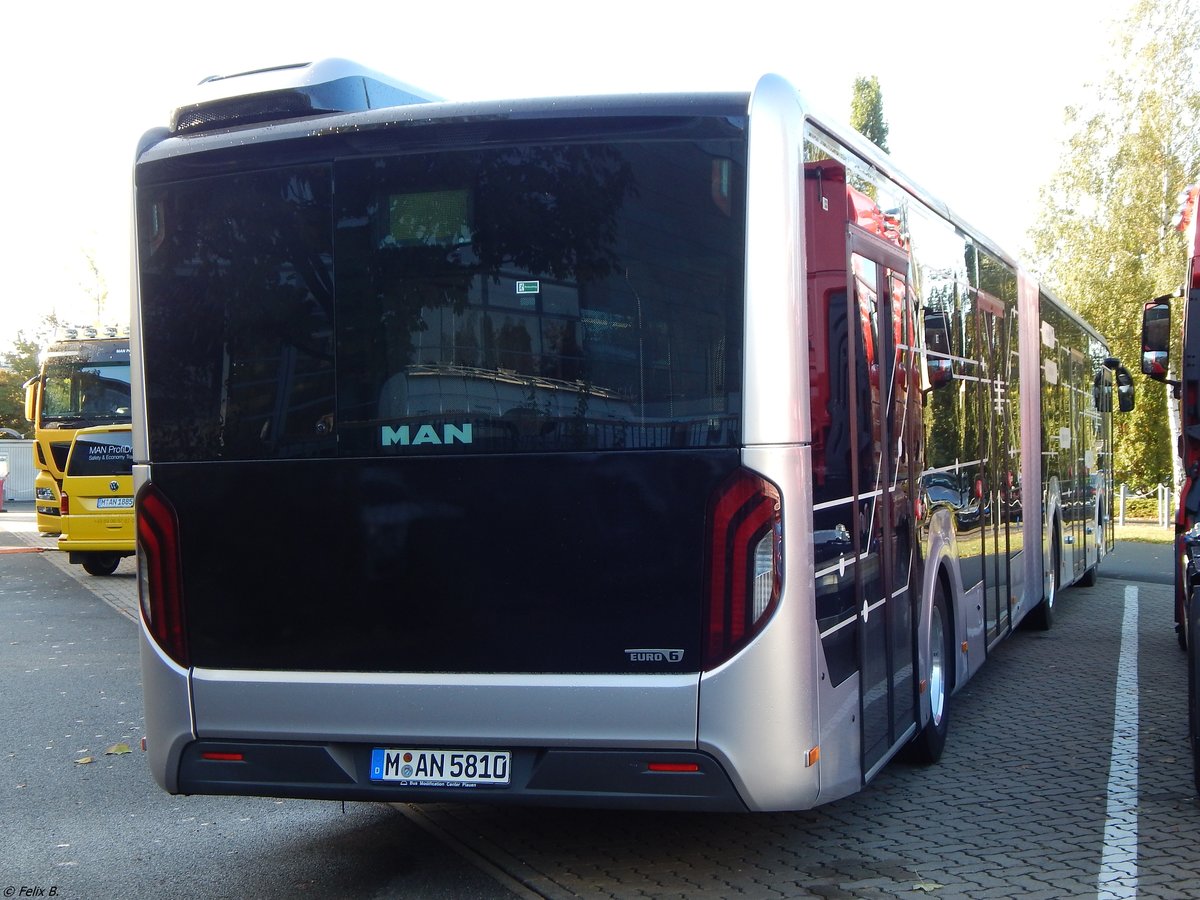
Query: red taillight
x=745, y=563
x=64, y=504
x=215, y=756
x=160, y=584
x=672, y=767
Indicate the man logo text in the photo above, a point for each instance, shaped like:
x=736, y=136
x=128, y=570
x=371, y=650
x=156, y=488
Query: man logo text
x=425, y=434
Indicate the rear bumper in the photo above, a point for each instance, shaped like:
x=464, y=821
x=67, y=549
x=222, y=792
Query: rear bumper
x=540, y=776
x=120, y=547
x=97, y=533
x=574, y=740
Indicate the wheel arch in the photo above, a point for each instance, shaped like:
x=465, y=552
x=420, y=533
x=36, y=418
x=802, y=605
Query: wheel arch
x=941, y=572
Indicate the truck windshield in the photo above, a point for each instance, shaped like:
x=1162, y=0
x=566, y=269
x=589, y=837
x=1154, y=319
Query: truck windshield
x=77, y=389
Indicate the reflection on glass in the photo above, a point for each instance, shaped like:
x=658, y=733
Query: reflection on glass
x=539, y=297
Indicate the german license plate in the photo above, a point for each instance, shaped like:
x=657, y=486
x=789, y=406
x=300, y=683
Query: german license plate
x=114, y=503
x=440, y=768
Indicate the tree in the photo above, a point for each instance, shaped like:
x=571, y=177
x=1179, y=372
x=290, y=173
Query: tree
x=866, y=111
x=1103, y=239
x=94, y=285
x=16, y=367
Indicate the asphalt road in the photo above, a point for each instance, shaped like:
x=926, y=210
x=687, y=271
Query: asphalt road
x=1140, y=561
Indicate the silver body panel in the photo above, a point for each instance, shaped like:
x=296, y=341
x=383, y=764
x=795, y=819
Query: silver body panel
x=775, y=408
x=167, y=700
x=758, y=712
x=755, y=715
x=612, y=711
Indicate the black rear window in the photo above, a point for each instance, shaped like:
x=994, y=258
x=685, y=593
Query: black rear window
x=584, y=294
x=101, y=454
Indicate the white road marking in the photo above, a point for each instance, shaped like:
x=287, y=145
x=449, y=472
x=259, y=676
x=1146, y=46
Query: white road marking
x=1118, y=867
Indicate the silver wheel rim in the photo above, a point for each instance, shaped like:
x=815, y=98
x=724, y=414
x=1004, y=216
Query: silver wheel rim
x=1050, y=594
x=937, y=666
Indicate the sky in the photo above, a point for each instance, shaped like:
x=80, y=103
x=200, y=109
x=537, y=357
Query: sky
x=973, y=93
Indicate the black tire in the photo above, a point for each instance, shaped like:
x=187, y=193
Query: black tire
x=926, y=748
x=101, y=563
x=1088, y=578
x=1181, y=635
x=1041, y=617
x=1193, y=657
x=1181, y=624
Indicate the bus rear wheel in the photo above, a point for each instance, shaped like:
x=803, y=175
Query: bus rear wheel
x=1041, y=617
x=927, y=746
x=1088, y=578
x=101, y=563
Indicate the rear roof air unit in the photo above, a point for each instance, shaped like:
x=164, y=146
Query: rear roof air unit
x=291, y=92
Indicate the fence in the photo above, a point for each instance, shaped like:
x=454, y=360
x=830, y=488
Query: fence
x=18, y=480
x=1162, y=504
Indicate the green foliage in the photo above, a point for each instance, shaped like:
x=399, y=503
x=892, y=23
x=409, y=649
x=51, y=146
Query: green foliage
x=1142, y=508
x=1103, y=240
x=18, y=365
x=866, y=111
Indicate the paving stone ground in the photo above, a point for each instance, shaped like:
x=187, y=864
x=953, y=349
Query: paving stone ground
x=1015, y=808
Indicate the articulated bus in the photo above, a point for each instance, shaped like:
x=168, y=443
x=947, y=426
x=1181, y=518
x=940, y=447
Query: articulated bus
x=636, y=451
x=83, y=382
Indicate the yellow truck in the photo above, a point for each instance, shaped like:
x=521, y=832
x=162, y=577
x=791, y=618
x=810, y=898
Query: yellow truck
x=96, y=502
x=83, y=381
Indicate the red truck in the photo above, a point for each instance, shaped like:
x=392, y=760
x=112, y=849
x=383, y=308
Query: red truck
x=1156, y=341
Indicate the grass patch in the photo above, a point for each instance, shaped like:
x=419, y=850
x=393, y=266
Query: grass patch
x=1146, y=532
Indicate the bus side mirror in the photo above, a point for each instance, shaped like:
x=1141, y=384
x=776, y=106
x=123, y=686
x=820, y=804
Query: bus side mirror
x=1124, y=389
x=31, y=398
x=1156, y=338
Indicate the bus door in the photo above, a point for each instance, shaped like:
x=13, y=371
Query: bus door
x=995, y=436
x=1078, y=380
x=1102, y=476
x=882, y=487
